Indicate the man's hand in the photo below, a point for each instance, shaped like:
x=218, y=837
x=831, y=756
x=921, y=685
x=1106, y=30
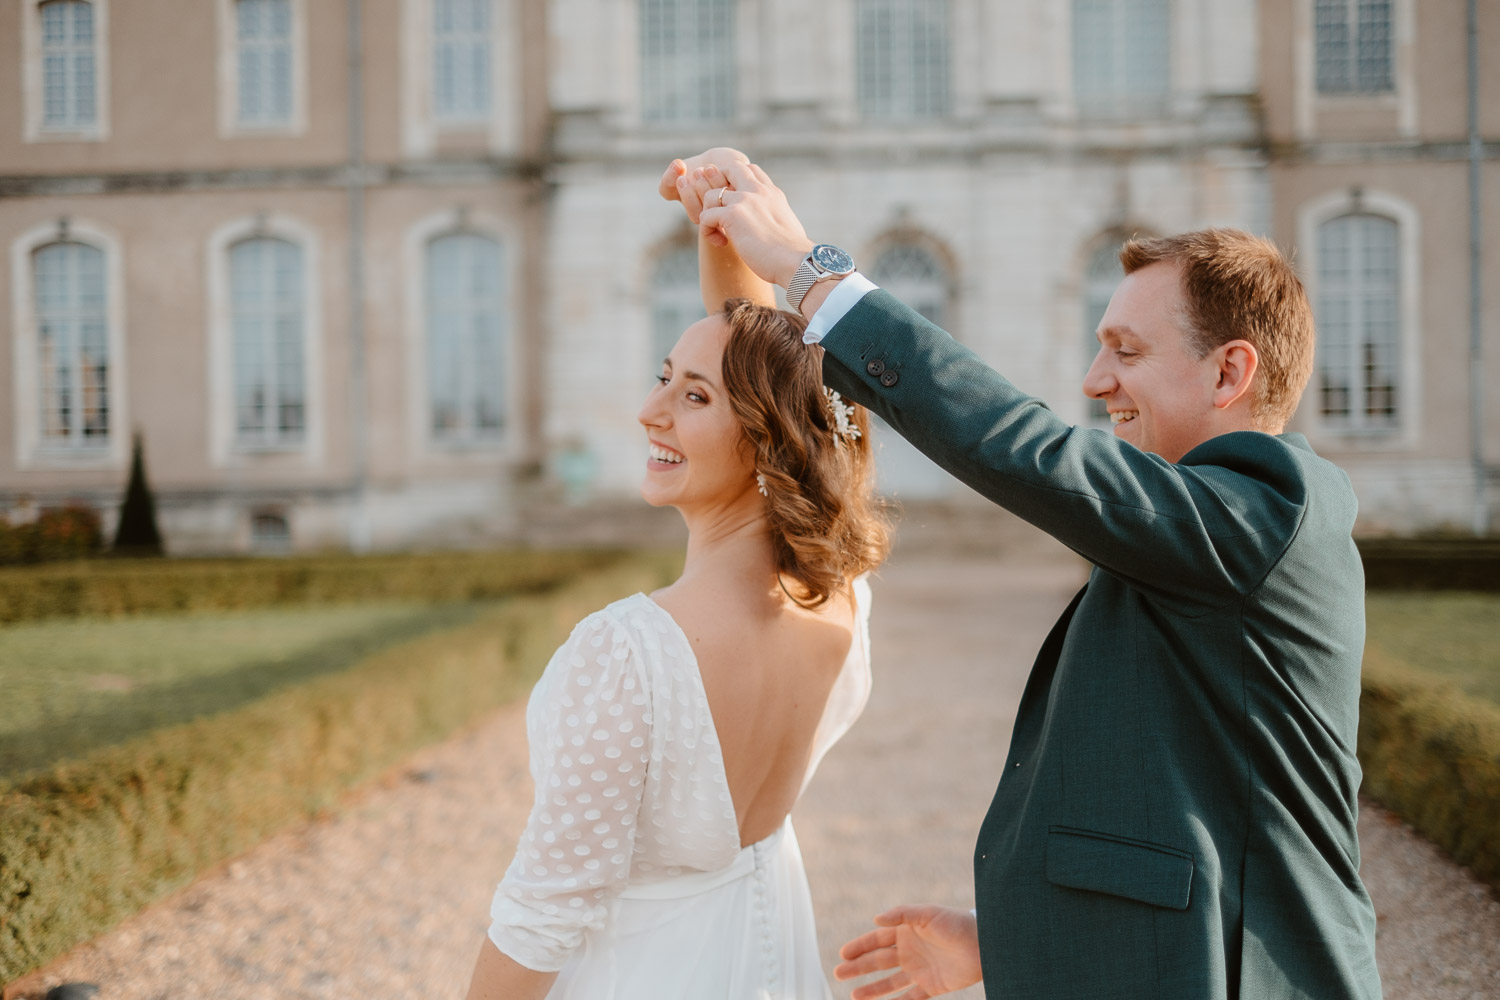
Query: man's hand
x=733, y=201
x=936, y=949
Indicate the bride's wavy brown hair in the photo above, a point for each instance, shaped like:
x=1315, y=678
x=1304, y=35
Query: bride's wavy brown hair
x=827, y=525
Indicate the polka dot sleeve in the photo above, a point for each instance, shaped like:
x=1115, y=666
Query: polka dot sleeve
x=589, y=725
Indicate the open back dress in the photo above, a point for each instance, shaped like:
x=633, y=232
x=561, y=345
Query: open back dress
x=629, y=879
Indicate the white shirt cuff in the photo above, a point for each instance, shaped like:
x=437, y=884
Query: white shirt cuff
x=843, y=298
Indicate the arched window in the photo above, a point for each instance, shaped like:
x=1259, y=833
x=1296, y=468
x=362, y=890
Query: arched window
x=267, y=304
x=68, y=65
x=465, y=338
x=676, y=302
x=270, y=533
x=902, y=57
x=687, y=61
x=1102, y=276
x=1122, y=56
x=1355, y=46
x=461, y=53
x=72, y=345
x=914, y=275
x=263, y=54
x=1359, y=318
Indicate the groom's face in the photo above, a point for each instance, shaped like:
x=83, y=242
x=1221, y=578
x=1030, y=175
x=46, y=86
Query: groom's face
x=1159, y=393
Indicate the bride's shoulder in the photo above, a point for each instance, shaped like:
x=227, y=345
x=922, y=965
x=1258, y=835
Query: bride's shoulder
x=635, y=621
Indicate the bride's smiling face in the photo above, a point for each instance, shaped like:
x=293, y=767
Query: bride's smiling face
x=697, y=454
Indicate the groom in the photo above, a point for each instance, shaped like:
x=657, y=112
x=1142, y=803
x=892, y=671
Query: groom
x=1176, y=816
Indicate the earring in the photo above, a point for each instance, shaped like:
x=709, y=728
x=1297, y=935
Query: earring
x=760, y=479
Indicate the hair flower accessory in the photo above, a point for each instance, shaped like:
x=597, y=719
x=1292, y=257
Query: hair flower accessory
x=843, y=427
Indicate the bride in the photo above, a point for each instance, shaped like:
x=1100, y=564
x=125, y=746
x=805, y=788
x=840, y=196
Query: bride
x=671, y=734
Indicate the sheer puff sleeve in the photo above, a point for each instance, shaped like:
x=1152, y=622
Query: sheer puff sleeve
x=588, y=723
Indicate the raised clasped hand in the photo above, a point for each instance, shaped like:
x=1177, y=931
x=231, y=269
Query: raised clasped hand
x=935, y=950
x=734, y=202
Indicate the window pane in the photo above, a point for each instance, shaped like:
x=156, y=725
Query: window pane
x=1122, y=56
x=1358, y=308
x=902, y=54
x=465, y=337
x=268, y=319
x=67, y=57
x=1373, y=46
x=264, y=31
x=687, y=61
x=912, y=274
x=72, y=344
x=1354, y=44
x=461, y=57
x=676, y=302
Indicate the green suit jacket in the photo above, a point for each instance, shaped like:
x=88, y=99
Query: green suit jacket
x=1176, y=816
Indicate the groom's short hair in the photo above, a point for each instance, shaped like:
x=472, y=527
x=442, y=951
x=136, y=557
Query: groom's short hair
x=1239, y=287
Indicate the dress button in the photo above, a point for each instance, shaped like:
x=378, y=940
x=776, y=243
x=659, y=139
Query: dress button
x=875, y=367
x=889, y=378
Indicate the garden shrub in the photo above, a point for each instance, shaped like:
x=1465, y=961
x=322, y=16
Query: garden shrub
x=134, y=586
x=1431, y=563
x=71, y=532
x=95, y=840
x=1431, y=754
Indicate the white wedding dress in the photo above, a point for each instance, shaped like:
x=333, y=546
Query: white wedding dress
x=630, y=880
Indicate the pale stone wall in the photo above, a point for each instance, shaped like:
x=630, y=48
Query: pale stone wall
x=1403, y=155
x=1012, y=190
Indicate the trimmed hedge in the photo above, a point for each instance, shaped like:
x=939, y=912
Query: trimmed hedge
x=1432, y=755
x=71, y=532
x=135, y=586
x=95, y=840
x=1431, y=563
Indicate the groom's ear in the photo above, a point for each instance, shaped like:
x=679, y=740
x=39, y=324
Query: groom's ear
x=1237, y=362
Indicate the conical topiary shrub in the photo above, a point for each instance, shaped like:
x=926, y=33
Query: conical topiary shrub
x=138, y=534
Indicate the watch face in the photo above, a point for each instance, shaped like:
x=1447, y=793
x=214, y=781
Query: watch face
x=831, y=258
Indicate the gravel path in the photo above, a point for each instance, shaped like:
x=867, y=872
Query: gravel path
x=390, y=899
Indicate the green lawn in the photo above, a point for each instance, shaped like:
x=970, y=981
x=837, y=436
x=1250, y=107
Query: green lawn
x=1454, y=635
x=70, y=686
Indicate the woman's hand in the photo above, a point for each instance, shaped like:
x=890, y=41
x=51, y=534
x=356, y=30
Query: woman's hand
x=719, y=157
x=722, y=275
x=936, y=949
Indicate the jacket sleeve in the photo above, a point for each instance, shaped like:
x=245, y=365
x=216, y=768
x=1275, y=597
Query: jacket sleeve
x=1202, y=530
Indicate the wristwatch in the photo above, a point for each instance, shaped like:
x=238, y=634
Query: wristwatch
x=824, y=262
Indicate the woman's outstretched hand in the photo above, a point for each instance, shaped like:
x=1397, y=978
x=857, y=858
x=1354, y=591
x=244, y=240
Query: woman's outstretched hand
x=935, y=949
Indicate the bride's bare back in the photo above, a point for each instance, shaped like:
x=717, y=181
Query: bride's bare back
x=768, y=667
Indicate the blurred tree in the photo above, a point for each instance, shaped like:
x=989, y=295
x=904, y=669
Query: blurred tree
x=138, y=534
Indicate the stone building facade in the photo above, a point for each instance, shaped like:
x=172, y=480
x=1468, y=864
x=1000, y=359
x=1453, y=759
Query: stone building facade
x=393, y=272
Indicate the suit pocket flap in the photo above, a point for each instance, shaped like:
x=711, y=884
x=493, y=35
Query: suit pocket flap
x=1119, y=866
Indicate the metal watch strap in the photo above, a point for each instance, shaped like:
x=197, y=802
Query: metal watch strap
x=803, y=279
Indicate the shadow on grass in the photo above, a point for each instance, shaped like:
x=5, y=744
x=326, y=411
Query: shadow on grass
x=24, y=752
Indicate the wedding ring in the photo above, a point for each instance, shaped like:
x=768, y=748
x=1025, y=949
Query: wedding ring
x=721, y=196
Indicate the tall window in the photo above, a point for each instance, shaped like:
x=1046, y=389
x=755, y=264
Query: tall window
x=268, y=310
x=676, y=302
x=461, y=71
x=916, y=277
x=1122, y=56
x=1355, y=46
x=902, y=55
x=68, y=80
x=1100, y=280
x=72, y=345
x=263, y=37
x=687, y=61
x=465, y=343
x=1358, y=307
